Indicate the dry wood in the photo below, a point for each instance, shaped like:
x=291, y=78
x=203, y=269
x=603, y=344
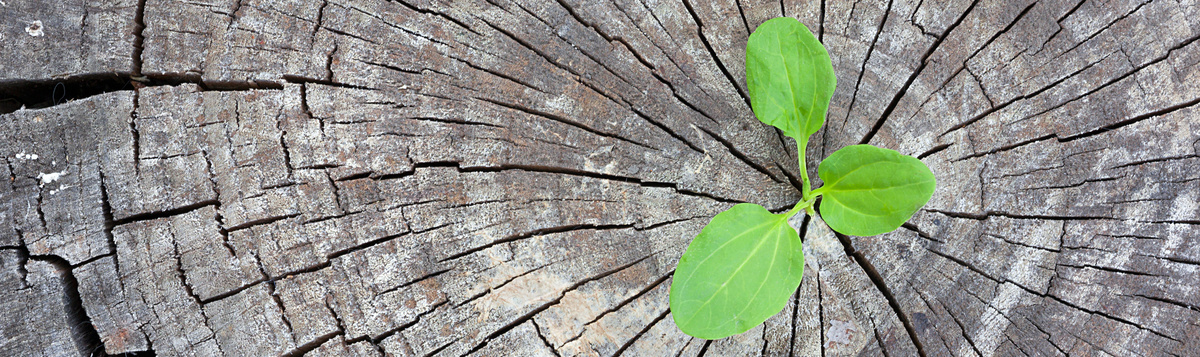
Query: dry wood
x=334, y=177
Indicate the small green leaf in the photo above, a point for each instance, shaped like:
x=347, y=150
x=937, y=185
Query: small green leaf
x=738, y=272
x=790, y=77
x=869, y=190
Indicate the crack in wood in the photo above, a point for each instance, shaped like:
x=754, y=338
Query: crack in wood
x=260, y=222
x=741, y=156
x=995, y=108
x=570, y=172
x=368, y=244
x=1104, y=268
x=964, y=65
x=443, y=31
x=913, y=77
x=1103, y=29
x=979, y=83
x=289, y=78
x=863, y=70
x=83, y=332
x=642, y=332
x=389, y=333
x=669, y=58
x=713, y=54
x=187, y=288
x=530, y=315
x=1049, y=337
x=620, y=99
x=963, y=329
x=139, y=38
x=414, y=281
x=1154, y=160
x=1058, y=22
x=1028, y=172
x=440, y=349
x=881, y=285
x=1047, y=295
x=912, y=19
x=879, y=340
x=153, y=215
x=921, y=296
x=1166, y=301
x=920, y=233
x=311, y=345
x=666, y=129
x=39, y=94
x=623, y=303
x=1132, y=120
x=502, y=284
x=803, y=233
x=435, y=13
x=564, y=120
x=494, y=73
x=1073, y=185
x=537, y=329
x=533, y=233
x=1016, y=243
x=274, y=295
x=1089, y=133
x=821, y=38
x=984, y=216
x=217, y=215
x=1119, y=78
x=595, y=29
x=704, y=350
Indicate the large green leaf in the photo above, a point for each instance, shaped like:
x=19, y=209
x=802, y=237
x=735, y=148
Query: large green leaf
x=790, y=77
x=738, y=272
x=869, y=190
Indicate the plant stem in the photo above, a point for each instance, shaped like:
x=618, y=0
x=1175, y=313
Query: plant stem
x=805, y=204
x=805, y=186
x=806, y=197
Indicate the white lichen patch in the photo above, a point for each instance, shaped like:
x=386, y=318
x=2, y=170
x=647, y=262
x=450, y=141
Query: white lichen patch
x=35, y=29
x=1184, y=205
x=50, y=177
x=52, y=192
x=24, y=156
x=839, y=332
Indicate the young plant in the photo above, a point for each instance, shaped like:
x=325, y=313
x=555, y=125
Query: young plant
x=747, y=261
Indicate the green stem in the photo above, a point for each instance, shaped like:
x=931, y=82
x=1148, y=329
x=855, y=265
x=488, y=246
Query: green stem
x=805, y=204
x=806, y=197
x=805, y=187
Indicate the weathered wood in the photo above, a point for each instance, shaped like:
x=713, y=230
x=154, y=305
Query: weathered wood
x=350, y=177
x=45, y=40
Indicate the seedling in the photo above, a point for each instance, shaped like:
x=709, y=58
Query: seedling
x=747, y=261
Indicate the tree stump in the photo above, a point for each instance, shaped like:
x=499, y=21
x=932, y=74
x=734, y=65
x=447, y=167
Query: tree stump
x=352, y=177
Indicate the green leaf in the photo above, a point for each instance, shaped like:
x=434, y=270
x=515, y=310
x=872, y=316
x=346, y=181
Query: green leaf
x=738, y=272
x=869, y=190
x=790, y=77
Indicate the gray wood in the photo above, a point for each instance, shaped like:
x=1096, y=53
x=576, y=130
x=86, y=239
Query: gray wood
x=519, y=178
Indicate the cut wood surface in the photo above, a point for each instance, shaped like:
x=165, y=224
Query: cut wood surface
x=489, y=177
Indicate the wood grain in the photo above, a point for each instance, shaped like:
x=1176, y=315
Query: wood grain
x=351, y=177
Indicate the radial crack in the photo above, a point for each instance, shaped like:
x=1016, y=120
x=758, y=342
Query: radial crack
x=713, y=53
x=863, y=69
x=913, y=77
x=881, y=285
